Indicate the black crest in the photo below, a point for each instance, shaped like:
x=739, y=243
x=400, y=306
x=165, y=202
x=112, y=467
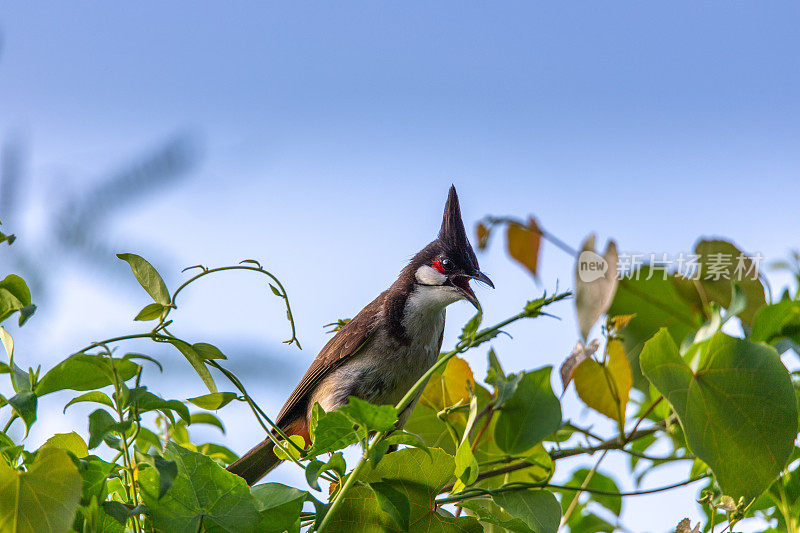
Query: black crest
x=452, y=233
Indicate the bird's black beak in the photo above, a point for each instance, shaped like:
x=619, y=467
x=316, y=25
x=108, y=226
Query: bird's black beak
x=461, y=281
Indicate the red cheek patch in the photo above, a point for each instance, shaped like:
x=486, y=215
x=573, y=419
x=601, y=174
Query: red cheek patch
x=438, y=266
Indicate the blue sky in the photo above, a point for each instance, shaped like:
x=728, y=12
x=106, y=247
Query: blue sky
x=327, y=135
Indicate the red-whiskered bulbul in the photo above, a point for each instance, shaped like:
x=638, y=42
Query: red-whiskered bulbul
x=386, y=347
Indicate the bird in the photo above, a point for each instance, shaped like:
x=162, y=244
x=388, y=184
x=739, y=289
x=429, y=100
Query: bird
x=379, y=354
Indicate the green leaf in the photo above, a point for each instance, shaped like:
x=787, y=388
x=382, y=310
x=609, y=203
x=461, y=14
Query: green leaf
x=19, y=378
x=24, y=404
x=14, y=296
x=100, y=425
x=94, y=473
x=97, y=520
x=279, y=507
x=471, y=326
x=84, y=372
x=531, y=414
x=415, y=475
x=91, y=396
x=203, y=496
x=17, y=286
x=599, y=482
x=147, y=401
x=133, y=356
x=167, y=472
x=206, y=418
x=197, y=363
x=214, y=401
x=504, y=386
x=772, y=322
x=208, y=351
x=117, y=510
x=736, y=405
x=25, y=313
x=393, y=502
x=370, y=417
x=71, y=442
x=150, y=312
x=330, y=431
x=146, y=439
x=723, y=257
x=538, y=509
x=43, y=499
x=656, y=303
x=148, y=278
x=492, y=515
x=466, y=468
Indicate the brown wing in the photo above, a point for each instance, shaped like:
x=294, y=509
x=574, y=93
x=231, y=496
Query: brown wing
x=346, y=343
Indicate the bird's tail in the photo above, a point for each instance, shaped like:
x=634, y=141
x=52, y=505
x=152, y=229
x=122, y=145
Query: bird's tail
x=261, y=460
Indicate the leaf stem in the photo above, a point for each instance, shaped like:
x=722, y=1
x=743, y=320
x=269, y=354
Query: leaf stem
x=208, y=271
x=476, y=492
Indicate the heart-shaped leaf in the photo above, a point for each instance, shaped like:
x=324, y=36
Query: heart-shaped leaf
x=736, y=405
x=605, y=388
x=43, y=499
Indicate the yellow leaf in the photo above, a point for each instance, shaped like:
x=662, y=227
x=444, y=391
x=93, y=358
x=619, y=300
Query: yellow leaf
x=606, y=388
x=619, y=322
x=523, y=244
x=449, y=388
x=483, y=235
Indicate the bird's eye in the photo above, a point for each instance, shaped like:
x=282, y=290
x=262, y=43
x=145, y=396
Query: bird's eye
x=447, y=264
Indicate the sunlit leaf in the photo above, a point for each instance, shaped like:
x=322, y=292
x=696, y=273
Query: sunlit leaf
x=197, y=363
x=150, y=312
x=482, y=232
x=208, y=351
x=605, y=388
x=15, y=296
x=101, y=424
x=43, y=499
x=148, y=278
x=736, y=405
x=772, y=322
x=449, y=388
x=524, y=243
x=85, y=372
x=370, y=417
x=419, y=478
x=91, y=396
x=71, y=442
x=203, y=496
x=214, y=401
x=330, y=431
x=207, y=418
